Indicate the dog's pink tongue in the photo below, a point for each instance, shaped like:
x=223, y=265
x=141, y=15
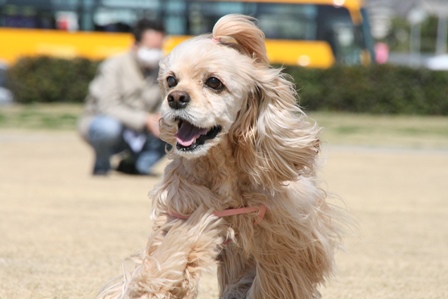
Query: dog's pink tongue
x=187, y=133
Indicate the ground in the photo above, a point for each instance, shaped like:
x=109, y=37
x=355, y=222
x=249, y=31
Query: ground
x=65, y=233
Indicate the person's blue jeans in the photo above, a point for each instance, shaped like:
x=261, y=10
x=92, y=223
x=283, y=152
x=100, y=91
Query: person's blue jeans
x=105, y=135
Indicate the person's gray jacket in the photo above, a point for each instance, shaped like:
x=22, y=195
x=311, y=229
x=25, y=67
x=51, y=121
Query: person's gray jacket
x=120, y=90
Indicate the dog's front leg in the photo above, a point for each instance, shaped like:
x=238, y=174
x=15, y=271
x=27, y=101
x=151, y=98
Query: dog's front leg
x=175, y=263
x=236, y=272
x=240, y=288
x=119, y=287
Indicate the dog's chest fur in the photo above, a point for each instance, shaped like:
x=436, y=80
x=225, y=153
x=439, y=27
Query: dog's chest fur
x=218, y=172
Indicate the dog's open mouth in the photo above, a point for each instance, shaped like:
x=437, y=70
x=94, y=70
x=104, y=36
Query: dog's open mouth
x=189, y=137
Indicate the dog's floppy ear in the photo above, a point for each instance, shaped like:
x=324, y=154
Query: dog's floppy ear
x=239, y=32
x=274, y=142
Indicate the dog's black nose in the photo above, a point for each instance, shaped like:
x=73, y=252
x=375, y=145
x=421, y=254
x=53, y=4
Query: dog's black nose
x=178, y=99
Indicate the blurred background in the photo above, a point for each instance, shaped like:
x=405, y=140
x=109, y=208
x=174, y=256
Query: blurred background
x=61, y=41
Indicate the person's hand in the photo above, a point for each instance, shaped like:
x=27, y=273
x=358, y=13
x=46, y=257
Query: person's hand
x=152, y=124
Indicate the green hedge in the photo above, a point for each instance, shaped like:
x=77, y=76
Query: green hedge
x=47, y=80
x=384, y=89
x=374, y=89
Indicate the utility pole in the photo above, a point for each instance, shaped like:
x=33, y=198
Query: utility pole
x=415, y=17
x=440, y=9
x=441, y=35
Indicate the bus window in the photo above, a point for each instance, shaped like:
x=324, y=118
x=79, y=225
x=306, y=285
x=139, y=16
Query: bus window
x=287, y=21
x=15, y=16
x=202, y=16
x=174, y=16
x=113, y=20
x=120, y=15
x=336, y=27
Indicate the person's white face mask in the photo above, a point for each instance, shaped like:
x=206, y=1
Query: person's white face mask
x=149, y=57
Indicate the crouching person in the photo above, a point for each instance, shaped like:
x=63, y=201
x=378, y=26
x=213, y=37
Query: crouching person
x=121, y=111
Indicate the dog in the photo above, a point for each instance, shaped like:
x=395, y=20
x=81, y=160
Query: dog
x=241, y=191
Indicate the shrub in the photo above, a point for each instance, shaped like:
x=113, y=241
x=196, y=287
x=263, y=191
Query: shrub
x=45, y=79
x=375, y=89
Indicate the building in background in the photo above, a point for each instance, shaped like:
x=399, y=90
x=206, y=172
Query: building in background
x=382, y=13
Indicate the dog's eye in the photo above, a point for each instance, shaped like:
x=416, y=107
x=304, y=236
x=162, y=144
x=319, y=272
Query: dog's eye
x=214, y=83
x=171, y=81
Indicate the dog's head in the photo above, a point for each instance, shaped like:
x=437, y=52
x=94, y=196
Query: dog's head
x=220, y=87
x=205, y=81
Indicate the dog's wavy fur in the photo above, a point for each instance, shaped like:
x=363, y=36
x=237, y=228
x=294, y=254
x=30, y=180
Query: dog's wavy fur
x=265, y=154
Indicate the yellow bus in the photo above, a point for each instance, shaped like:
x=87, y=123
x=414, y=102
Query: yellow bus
x=309, y=33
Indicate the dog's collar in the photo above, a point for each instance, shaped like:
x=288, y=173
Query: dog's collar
x=260, y=209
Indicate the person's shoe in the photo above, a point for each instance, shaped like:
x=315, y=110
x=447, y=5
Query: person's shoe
x=127, y=166
x=100, y=172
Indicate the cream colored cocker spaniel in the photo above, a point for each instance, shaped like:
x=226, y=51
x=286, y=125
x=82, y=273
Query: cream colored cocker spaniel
x=241, y=190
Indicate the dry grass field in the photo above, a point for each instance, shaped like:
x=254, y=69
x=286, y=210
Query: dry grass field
x=64, y=233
